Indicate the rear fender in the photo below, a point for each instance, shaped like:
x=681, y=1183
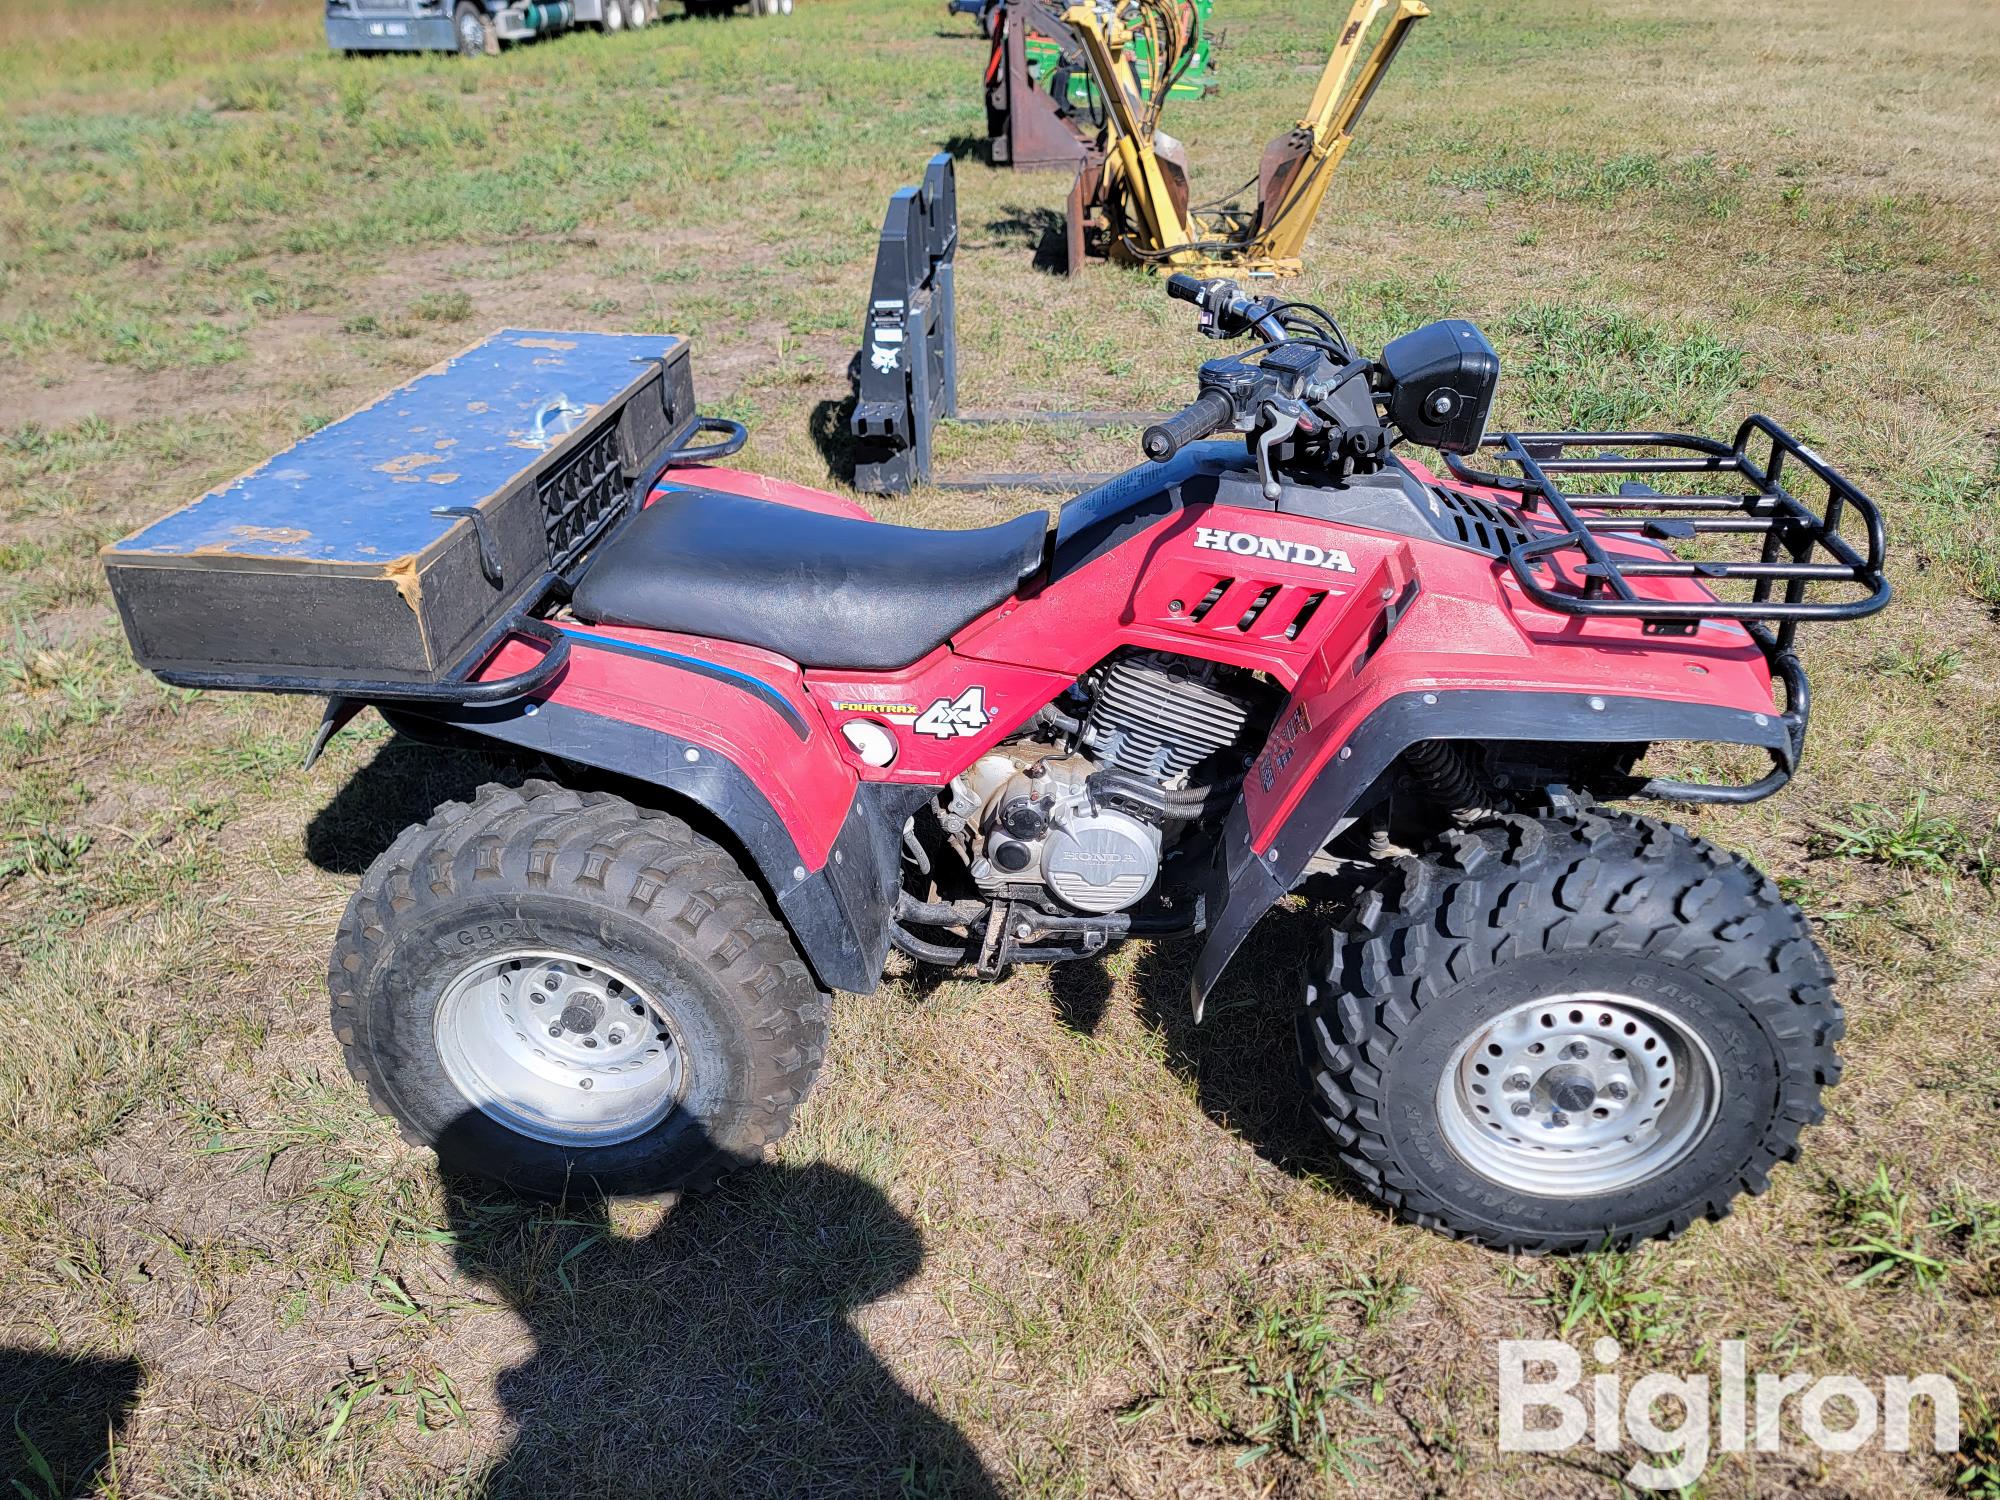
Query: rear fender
x=728, y=728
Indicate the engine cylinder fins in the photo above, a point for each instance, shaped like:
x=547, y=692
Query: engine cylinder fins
x=1154, y=719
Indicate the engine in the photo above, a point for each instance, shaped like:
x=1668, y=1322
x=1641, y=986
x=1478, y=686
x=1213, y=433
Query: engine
x=1158, y=717
x=1082, y=808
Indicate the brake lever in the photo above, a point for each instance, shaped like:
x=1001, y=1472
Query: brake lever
x=1283, y=418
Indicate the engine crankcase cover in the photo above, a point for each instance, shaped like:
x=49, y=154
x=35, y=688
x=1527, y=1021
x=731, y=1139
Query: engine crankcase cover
x=1100, y=862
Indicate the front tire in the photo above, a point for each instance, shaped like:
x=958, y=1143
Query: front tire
x=554, y=989
x=1561, y=1034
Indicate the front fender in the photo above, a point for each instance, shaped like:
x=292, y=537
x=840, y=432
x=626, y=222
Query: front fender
x=1252, y=873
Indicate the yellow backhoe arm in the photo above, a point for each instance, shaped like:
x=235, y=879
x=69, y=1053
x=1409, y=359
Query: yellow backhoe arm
x=1297, y=169
x=1141, y=184
x=1137, y=163
x=1339, y=63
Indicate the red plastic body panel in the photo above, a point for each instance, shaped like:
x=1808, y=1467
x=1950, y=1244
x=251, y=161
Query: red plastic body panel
x=808, y=783
x=761, y=487
x=1394, y=615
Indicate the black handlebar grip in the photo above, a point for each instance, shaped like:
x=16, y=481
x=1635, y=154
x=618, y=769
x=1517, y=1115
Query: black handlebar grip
x=1207, y=413
x=1185, y=287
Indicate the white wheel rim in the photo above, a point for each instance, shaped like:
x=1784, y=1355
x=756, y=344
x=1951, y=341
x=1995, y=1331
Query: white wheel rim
x=560, y=1049
x=1576, y=1095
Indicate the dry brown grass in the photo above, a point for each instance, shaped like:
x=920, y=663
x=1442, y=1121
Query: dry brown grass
x=1039, y=1238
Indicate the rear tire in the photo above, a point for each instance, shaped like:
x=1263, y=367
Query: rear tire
x=554, y=989
x=1562, y=1034
x=614, y=16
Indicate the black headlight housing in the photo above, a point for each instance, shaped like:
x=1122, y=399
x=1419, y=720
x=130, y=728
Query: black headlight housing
x=1437, y=384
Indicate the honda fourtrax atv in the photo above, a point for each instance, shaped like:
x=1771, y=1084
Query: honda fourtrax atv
x=792, y=739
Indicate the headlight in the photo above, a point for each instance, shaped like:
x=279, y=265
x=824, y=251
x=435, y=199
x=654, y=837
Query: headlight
x=1440, y=383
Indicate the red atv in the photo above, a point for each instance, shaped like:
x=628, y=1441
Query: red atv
x=801, y=738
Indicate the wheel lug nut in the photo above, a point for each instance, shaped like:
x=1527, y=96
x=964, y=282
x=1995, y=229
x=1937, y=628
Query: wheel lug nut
x=1559, y=1119
x=1617, y=1090
x=1576, y=1050
x=617, y=1037
x=1521, y=1109
x=583, y=1083
x=555, y=1031
x=1516, y=1083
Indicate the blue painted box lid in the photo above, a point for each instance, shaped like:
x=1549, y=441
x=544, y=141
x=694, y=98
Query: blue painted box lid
x=362, y=491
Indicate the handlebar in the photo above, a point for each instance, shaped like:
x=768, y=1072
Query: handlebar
x=1209, y=412
x=1227, y=310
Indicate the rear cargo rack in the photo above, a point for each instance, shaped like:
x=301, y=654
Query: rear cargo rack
x=458, y=686
x=1801, y=548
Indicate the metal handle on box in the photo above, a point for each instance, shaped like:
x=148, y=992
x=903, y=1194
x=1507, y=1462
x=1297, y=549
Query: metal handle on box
x=702, y=453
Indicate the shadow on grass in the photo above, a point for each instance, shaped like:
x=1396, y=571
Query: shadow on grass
x=402, y=785
x=716, y=1356
x=968, y=147
x=1243, y=1056
x=831, y=433
x=60, y=1415
x=1043, y=231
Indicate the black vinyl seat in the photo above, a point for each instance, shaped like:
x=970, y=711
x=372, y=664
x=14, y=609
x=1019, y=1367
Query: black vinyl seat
x=826, y=591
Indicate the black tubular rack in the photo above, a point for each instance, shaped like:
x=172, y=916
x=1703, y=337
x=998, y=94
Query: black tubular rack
x=1839, y=546
x=1801, y=547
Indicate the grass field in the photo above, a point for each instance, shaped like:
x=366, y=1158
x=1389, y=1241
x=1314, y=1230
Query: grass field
x=1041, y=1238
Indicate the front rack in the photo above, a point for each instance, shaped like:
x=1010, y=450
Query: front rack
x=1801, y=547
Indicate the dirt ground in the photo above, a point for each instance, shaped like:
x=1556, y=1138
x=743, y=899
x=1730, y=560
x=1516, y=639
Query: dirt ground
x=1045, y=1237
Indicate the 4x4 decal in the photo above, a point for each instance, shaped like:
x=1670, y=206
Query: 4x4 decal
x=948, y=718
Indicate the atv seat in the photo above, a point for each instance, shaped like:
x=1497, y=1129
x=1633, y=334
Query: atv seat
x=826, y=591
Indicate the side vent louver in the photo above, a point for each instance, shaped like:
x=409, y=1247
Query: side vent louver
x=1482, y=524
x=1305, y=614
x=1256, y=607
x=1200, y=611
